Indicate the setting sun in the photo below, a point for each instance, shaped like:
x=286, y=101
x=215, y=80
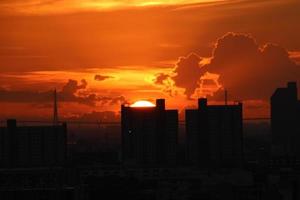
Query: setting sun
x=142, y=103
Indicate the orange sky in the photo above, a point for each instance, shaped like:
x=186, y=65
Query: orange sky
x=70, y=6
x=120, y=48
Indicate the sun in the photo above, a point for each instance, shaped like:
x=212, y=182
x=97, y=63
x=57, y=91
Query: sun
x=142, y=103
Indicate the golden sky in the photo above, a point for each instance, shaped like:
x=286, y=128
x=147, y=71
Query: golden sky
x=67, y=6
x=99, y=54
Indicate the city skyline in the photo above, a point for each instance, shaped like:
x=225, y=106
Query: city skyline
x=98, y=57
x=151, y=149
x=149, y=99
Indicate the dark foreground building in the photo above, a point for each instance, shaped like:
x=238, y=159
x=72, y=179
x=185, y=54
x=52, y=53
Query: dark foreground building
x=215, y=134
x=285, y=119
x=42, y=183
x=33, y=164
x=149, y=135
x=32, y=146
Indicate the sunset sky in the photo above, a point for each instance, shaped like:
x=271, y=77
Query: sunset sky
x=99, y=54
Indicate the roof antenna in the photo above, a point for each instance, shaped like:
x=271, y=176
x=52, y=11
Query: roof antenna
x=55, y=113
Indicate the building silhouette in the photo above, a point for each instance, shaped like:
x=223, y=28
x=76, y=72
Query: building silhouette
x=285, y=113
x=55, y=109
x=214, y=134
x=149, y=135
x=32, y=146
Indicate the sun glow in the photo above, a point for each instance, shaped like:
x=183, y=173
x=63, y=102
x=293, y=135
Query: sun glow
x=66, y=6
x=142, y=103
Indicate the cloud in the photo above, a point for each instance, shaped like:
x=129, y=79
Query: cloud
x=295, y=55
x=53, y=52
x=99, y=77
x=245, y=68
x=187, y=73
x=72, y=87
x=167, y=83
x=24, y=96
x=50, y=6
x=160, y=78
x=249, y=70
x=72, y=91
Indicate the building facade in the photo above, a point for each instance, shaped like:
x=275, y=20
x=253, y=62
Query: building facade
x=214, y=134
x=149, y=135
x=285, y=119
x=32, y=146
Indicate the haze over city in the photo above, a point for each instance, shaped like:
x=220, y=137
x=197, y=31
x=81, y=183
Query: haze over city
x=100, y=54
x=149, y=99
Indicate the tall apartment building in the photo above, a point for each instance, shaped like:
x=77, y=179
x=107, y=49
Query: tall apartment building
x=32, y=146
x=149, y=135
x=214, y=134
x=285, y=120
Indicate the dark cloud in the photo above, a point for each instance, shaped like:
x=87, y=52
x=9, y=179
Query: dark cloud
x=99, y=77
x=52, y=51
x=72, y=91
x=160, y=78
x=187, y=72
x=247, y=70
x=25, y=96
x=167, y=82
x=250, y=71
x=118, y=100
x=68, y=92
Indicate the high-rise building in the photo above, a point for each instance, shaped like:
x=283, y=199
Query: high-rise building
x=285, y=119
x=32, y=146
x=149, y=135
x=214, y=134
